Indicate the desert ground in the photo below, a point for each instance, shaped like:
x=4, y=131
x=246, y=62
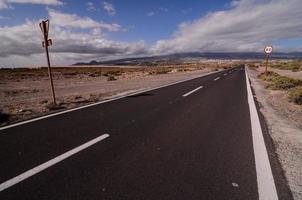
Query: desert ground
x=25, y=92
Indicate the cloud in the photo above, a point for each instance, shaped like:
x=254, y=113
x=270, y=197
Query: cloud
x=5, y=4
x=233, y=3
x=150, y=14
x=248, y=26
x=74, y=21
x=72, y=41
x=90, y=6
x=4, y=17
x=186, y=11
x=109, y=8
x=160, y=10
x=163, y=9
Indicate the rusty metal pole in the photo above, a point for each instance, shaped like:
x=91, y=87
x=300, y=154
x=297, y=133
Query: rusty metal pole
x=267, y=50
x=45, y=34
x=266, y=63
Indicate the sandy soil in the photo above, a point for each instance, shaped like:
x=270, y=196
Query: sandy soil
x=288, y=73
x=284, y=121
x=28, y=95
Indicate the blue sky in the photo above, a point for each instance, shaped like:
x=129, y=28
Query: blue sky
x=154, y=20
x=95, y=29
x=145, y=20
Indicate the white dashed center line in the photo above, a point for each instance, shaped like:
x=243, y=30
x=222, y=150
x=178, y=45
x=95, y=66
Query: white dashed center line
x=187, y=94
x=216, y=78
x=49, y=163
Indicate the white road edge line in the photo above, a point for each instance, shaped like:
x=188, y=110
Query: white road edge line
x=187, y=94
x=49, y=163
x=216, y=78
x=265, y=180
x=104, y=101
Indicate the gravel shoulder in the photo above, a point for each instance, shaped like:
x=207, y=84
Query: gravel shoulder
x=284, y=122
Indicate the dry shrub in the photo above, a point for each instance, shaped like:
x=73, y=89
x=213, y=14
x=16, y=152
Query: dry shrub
x=277, y=82
x=295, y=95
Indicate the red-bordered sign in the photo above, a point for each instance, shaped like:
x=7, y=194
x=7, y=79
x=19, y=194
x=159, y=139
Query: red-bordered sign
x=268, y=49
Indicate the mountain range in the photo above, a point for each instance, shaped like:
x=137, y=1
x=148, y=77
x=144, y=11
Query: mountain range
x=180, y=57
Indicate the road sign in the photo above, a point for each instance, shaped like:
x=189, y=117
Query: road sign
x=49, y=43
x=268, y=49
x=44, y=25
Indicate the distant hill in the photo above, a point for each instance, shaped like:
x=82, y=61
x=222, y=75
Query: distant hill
x=180, y=57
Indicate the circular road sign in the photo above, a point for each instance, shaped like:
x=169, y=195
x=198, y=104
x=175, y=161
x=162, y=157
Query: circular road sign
x=268, y=49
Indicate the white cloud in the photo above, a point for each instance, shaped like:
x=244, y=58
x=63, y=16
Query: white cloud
x=234, y=3
x=109, y=8
x=21, y=44
x=248, y=26
x=4, y=17
x=74, y=21
x=150, y=14
x=163, y=9
x=186, y=11
x=160, y=10
x=90, y=6
x=5, y=4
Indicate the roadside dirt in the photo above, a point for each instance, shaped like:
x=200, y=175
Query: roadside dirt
x=284, y=120
x=288, y=73
x=27, y=94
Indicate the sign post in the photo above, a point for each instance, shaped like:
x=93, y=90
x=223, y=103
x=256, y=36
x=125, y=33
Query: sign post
x=44, y=25
x=267, y=50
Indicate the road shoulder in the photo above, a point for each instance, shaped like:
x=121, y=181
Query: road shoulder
x=284, y=143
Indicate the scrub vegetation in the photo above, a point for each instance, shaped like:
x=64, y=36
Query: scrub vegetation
x=295, y=95
x=278, y=82
x=295, y=65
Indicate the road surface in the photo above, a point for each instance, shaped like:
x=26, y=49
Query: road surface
x=191, y=140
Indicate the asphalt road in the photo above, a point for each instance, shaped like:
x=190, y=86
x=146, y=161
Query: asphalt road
x=191, y=140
